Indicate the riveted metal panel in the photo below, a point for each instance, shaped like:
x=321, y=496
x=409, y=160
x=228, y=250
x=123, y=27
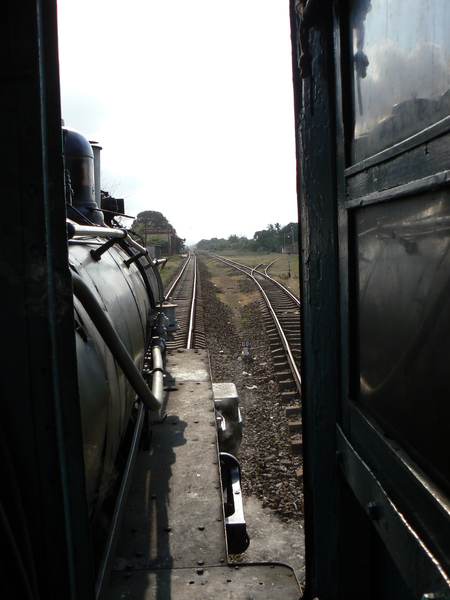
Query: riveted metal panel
x=174, y=516
x=255, y=582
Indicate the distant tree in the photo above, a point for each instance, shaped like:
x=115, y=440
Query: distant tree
x=213, y=244
x=180, y=246
x=151, y=219
x=270, y=239
x=147, y=220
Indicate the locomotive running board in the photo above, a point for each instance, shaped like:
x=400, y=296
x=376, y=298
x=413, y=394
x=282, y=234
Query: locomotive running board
x=173, y=535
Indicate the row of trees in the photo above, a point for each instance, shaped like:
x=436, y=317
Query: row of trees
x=271, y=239
x=154, y=229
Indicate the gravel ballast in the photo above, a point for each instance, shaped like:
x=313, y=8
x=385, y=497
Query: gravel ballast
x=273, y=494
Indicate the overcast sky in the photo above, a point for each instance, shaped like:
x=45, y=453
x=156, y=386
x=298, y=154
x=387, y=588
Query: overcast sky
x=192, y=104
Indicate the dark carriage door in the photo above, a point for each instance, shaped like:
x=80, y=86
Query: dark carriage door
x=394, y=435
x=372, y=93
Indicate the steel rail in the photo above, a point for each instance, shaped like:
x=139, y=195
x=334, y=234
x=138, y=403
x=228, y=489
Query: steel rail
x=265, y=274
x=185, y=293
x=285, y=290
x=175, y=283
x=249, y=271
x=284, y=341
x=193, y=306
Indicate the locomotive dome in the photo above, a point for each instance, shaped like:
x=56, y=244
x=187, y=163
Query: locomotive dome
x=76, y=144
x=79, y=161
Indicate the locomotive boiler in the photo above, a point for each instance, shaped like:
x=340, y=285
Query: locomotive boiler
x=118, y=313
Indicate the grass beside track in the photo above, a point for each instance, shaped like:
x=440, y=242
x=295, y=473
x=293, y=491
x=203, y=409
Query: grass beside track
x=279, y=270
x=171, y=267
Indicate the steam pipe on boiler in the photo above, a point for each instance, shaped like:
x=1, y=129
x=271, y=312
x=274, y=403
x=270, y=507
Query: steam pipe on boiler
x=157, y=372
x=114, y=343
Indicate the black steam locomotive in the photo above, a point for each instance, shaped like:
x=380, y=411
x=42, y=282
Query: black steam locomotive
x=118, y=315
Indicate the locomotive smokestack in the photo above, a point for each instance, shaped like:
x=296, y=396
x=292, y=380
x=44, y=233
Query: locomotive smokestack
x=98, y=194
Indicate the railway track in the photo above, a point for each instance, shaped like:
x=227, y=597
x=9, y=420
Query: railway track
x=186, y=293
x=281, y=311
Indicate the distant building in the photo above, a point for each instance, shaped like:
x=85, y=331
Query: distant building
x=173, y=243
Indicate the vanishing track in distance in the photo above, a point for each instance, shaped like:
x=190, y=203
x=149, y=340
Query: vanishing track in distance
x=185, y=292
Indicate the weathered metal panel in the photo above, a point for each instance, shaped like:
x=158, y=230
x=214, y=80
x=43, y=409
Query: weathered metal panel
x=39, y=411
x=404, y=546
x=174, y=516
x=172, y=541
x=320, y=298
x=248, y=582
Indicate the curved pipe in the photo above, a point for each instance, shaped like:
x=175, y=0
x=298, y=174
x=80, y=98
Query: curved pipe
x=75, y=230
x=158, y=372
x=151, y=263
x=114, y=343
x=139, y=248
